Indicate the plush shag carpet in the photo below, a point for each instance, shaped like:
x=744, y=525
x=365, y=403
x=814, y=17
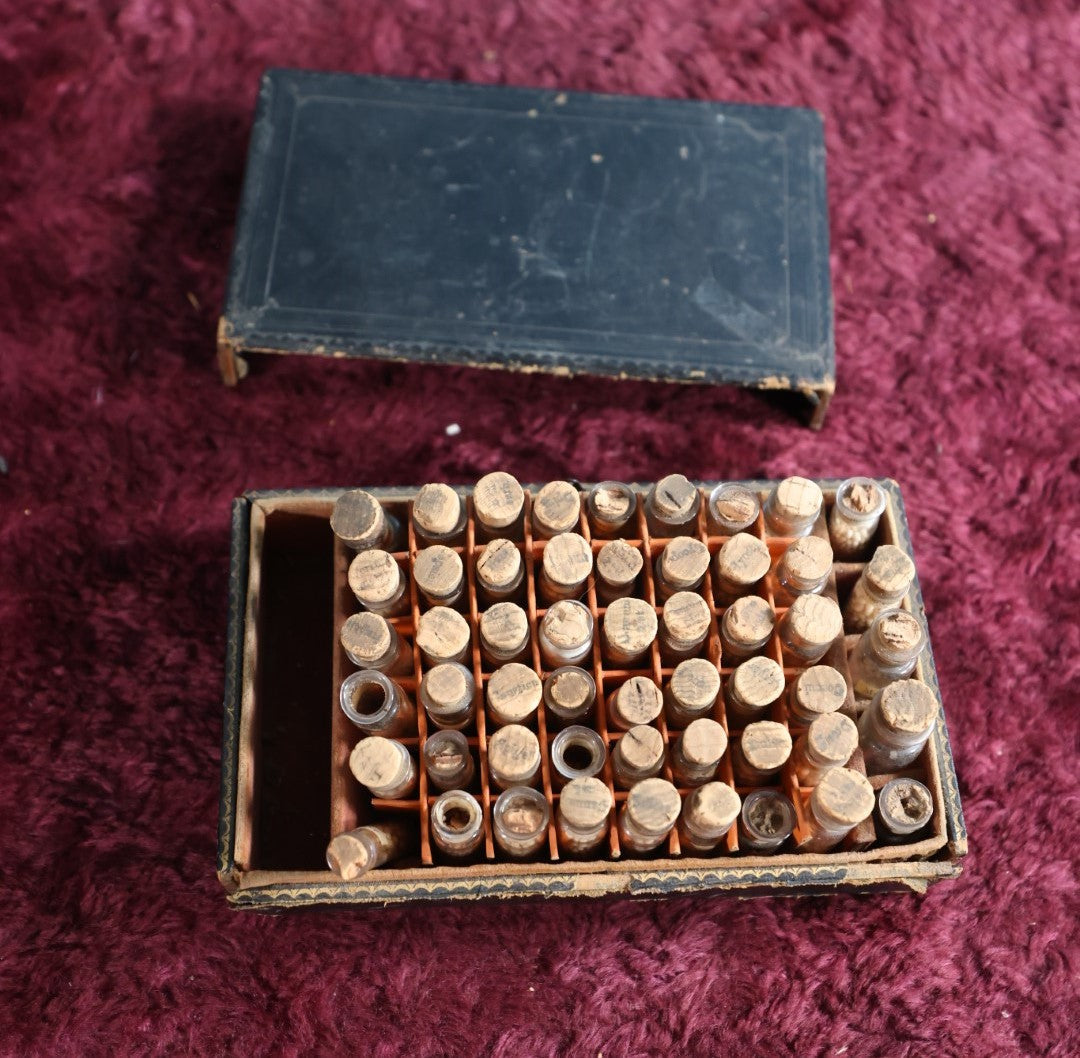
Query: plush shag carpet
x=955, y=219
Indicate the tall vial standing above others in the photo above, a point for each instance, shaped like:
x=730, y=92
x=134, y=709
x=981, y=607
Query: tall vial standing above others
x=803, y=569
x=809, y=627
x=860, y=503
x=792, y=507
x=359, y=521
x=671, y=507
x=881, y=586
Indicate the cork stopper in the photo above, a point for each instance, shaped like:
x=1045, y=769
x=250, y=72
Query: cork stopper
x=498, y=500
x=630, y=626
x=442, y=634
x=712, y=808
x=567, y=625
x=513, y=693
x=348, y=857
x=674, y=498
x=358, y=520
x=766, y=745
x=695, y=684
x=438, y=571
x=814, y=619
x=684, y=562
x=819, y=689
x=653, y=805
x=379, y=763
x=570, y=690
x=743, y=560
x=567, y=560
x=498, y=566
x=438, y=510
x=619, y=563
x=444, y=686
x=513, y=755
x=556, y=509
x=889, y=571
x=637, y=701
x=907, y=706
x=374, y=577
x=808, y=559
x=504, y=628
x=734, y=505
x=843, y=797
x=686, y=618
x=367, y=637
x=641, y=747
x=758, y=682
x=703, y=742
x=585, y=804
x=897, y=632
x=862, y=496
x=832, y=738
x=749, y=621
x=797, y=499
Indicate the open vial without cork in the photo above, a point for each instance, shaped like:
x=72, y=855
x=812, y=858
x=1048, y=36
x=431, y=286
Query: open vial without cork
x=766, y=822
x=860, y=503
x=377, y=705
x=904, y=807
x=577, y=752
x=448, y=760
x=457, y=824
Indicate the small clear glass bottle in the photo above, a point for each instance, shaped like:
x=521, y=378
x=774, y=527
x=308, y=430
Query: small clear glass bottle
x=577, y=752
x=448, y=761
x=746, y=628
x=569, y=696
x=371, y=642
x=565, y=634
x=739, y=567
x=697, y=752
x=803, y=569
x=684, y=626
x=896, y=725
x=504, y=633
x=692, y=691
x=904, y=807
x=860, y=503
x=681, y=566
x=671, y=507
x=379, y=584
x=816, y=691
x=514, y=693
x=650, y=812
x=565, y=568
x=638, y=755
x=438, y=515
x=611, y=507
x=443, y=635
x=760, y=753
x=439, y=575
x=618, y=566
x=498, y=502
x=637, y=701
x=881, y=586
x=499, y=571
x=766, y=821
x=384, y=767
x=513, y=757
x=448, y=695
x=751, y=691
x=840, y=801
x=556, y=509
x=827, y=743
x=792, y=507
x=457, y=824
x=377, y=705
x=360, y=522
x=809, y=627
x=519, y=821
x=731, y=509
x=582, y=817
x=628, y=632
x=887, y=651
x=356, y=852
x=707, y=815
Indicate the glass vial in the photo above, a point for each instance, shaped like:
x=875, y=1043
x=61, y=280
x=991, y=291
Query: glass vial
x=739, y=566
x=377, y=705
x=627, y=632
x=443, y=635
x=499, y=571
x=638, y=755
x=610, y=507
x=498, y=503
x=671, y=507
x=684, y=626
x=840, y=801
x=565, y=567
x=513, y=757
x=767, y=820
x=691, y=692
x=816, y=691
x=751, y=690
x=378, y=583
x=651, y=810
x=565, y=634
x=618, y=566
x=360, y=522
x=860, y=503
x=809, y=627
x=371, y=642
x=582, y=818
x=827, y=743
x=637, y=701
x=504, y=633
x=439, y=575
x=438, y=515
x=556, y=509
x=803, y=569
x=697, y=752
x=887, y=651
x=896, y=725
x=731, y=509
x=904, y=806
x=681, y=566
x=457, y=824
x=569, y=696
x=513, y=694
x=792, y=507
x=759, y=755
x=576, y=753
x=519, y=821
x=384, y=767
x=448, y=695
x=448, y=761
x=707, y=815
x=881, y=586
x=356, y=852
x=745, y=628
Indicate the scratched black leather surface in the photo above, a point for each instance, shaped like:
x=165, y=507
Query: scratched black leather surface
x=492, y=225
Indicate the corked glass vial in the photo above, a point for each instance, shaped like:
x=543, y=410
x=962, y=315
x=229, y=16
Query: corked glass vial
x=671, y=507
x=371, y=642
x=638, y=755
x=439, y=575
x=565, y=567
x=760, y=753
x=377, y=705
x=904, y=807
x=519, y=821
x=611, y=507
x=896, y=725
x=827, y=743
x=766, y=821
x=886, y=652
x=751, y=691
x=860, y=503
x=708, y=813
x=438, y=515
x=881, y=586
x=739, y=567
x=809, y=627
x=504, y=633
x=637, y=701
x=581, y=821
x=457, y=824
x=498, y=502
x=697, y=752
x=803, y=569
x=745, y=629
x=360, y=522
x=448, y=761
x=577, y=752
x=514, y=757
x=731, y=509
x=651, y=809
x=618, y=566
x=681, y=566
x=354, y=853
x=556, y=509
x=569, y=696
x=514, y=693
x=684, y=626
x=627, y=632
x=448, y=695
x=443, y=635
x=379, y=584
x=499, y=571
x=692, y=691
x=384, y=767
x=793, y=507
x=565, y=634
x=840, y=801
x=816, y=691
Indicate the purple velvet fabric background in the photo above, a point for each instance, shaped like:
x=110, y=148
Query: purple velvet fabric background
x=955, y=218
